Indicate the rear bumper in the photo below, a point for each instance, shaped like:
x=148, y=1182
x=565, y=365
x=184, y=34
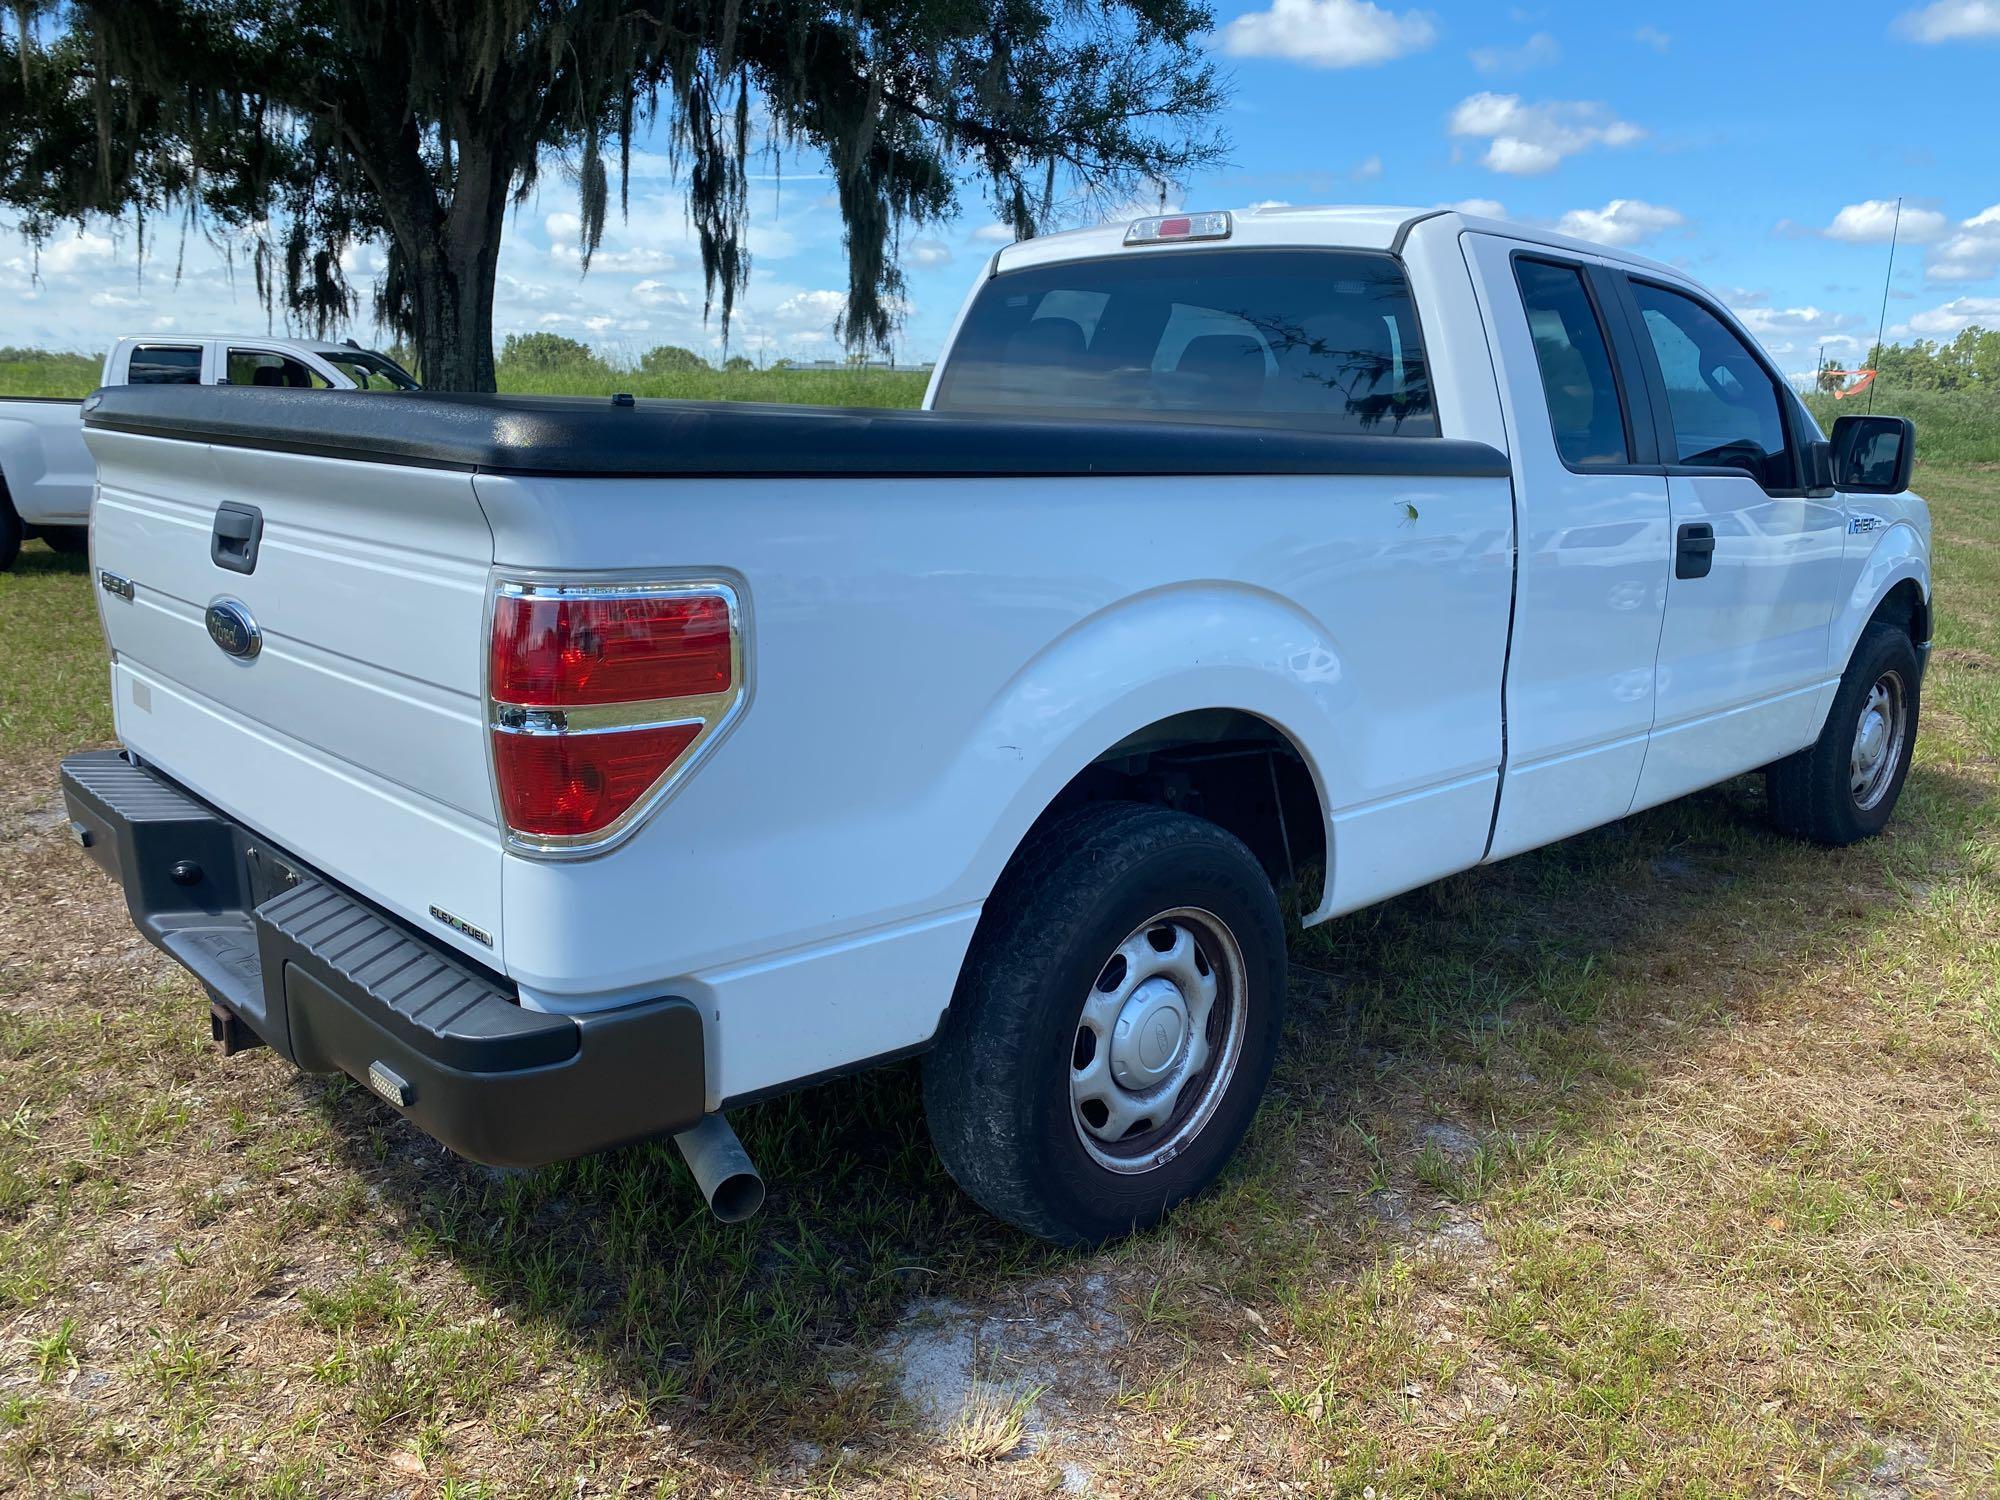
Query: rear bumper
x=335, y=986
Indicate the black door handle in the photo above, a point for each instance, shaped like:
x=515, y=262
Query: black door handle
x=233, y=543
x=1694, y=550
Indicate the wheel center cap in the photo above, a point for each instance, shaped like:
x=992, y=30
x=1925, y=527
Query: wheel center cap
x=1151, y=1034
x=1873, y=732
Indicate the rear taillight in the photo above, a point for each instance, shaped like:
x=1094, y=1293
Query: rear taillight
x=600, y=697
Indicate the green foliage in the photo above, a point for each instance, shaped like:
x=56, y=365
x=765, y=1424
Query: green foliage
x=537, y=356
x=37, y=372
x=670, y=359
x=306, y=126
x=1953, y=427
x=1970, y=361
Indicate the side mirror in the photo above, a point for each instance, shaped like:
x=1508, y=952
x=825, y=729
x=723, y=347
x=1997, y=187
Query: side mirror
x=1874, y=455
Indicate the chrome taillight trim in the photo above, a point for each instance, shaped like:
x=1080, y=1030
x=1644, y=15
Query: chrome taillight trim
x=717, y=713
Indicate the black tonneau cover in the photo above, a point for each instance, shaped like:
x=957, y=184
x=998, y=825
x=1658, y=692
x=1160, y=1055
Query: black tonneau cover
x=603, y=437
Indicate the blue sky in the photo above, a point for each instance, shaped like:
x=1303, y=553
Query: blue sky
x=1758, y=145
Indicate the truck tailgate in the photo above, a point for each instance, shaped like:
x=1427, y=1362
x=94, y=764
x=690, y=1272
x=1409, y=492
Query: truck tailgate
x=355, y=736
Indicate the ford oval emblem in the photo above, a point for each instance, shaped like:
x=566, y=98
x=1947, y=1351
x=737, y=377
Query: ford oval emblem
x=231, y=628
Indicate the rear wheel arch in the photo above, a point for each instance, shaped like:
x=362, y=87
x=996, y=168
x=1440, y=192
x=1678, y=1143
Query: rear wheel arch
x=1231, y=767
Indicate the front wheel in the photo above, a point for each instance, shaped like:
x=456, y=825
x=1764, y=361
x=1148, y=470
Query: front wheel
x=1844, y=788
x=1114, y=1026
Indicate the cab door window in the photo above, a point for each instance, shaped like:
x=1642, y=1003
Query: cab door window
x=262, y=367
x=1726, y=409
x=1575, y=363
x=164, y=364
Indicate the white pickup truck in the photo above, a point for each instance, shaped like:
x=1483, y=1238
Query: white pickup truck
x=46, y=474
x=572, y=770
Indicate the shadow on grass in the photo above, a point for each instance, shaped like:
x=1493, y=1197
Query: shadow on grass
x=39, y=560
x=617, y=1254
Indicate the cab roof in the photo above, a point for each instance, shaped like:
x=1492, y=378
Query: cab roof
x=1333, y=226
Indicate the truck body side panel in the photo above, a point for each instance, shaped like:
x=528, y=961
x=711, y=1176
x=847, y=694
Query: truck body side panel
x=934, y=660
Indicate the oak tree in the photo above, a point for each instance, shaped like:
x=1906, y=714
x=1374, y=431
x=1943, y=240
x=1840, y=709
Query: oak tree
x=312, y=126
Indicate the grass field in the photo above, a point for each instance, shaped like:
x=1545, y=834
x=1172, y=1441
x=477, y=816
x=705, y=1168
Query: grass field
x=1664, y=1161
x=74, y=375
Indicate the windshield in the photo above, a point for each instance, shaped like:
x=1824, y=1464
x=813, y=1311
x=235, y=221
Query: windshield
x=371, y=372
x=1320, y=338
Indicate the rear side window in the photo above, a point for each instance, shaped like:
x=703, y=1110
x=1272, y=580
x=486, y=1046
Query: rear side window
x=1294, y=338
x=258, y=367
x=1577, y=378
x=1725, y=406
x=164, y=364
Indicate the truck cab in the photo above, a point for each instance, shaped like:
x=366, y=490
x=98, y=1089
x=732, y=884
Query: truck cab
x=216, y=359
x=46, y=473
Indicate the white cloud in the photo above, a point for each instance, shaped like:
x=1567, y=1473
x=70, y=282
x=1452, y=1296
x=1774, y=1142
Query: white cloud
x=1948, y=319
x=1621, y=222
x=1951, y=21
x=636, y=261
x=651, y=293
x=1329, y=33
x=993, y=234
x=1479, y=208
x=1525, y=139
x=562, y=226
x=1652, y=36
x=1872, y=222
x=1972, y=253
x=1263, y=203
x=78, y=252
x=1539, y=51
x=925, y=253
x=1369, y=170
x=1796, y=333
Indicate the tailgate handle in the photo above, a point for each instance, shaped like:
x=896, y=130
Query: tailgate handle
x=238, y=530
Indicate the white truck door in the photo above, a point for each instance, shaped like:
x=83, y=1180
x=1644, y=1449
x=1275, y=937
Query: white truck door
x=1592, y=526
x=1743, y=651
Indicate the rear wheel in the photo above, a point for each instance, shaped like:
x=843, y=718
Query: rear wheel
x=1845, y=787
x=66, y=539
x=1115, y=1024
x=10, y=531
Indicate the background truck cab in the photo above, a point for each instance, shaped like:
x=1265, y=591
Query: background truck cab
x=46, y=473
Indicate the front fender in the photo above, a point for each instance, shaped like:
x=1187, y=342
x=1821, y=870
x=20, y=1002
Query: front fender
x=1899, y=554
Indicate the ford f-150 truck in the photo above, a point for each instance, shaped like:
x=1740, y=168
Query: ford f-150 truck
x=46, y=475
x=571, y=771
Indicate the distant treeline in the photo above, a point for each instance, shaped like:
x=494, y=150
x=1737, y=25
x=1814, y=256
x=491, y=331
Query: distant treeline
x=1969, y=362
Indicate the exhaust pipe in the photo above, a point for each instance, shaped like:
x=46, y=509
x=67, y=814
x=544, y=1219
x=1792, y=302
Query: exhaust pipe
x=722, y=1169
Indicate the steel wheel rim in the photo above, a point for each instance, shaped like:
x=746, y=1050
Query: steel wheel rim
x=1878, y=741
x=1158, y=1039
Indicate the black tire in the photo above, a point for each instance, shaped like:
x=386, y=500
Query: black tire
x=1814, y=794
x=1083, y=890
x=69, y=540
x=10, y=532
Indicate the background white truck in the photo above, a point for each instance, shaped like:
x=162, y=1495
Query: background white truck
x=46, y=474
x=572, y=770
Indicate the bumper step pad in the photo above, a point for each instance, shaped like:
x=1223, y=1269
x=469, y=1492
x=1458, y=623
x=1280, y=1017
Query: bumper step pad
x=336, y=986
